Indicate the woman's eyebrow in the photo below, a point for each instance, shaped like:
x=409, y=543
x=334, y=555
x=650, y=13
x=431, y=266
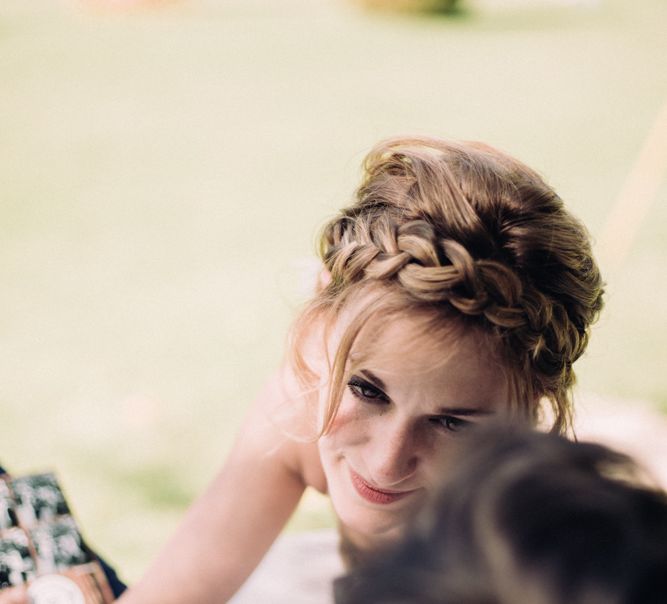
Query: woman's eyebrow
x=373, y=379
x=465, y=411
x=462, y=411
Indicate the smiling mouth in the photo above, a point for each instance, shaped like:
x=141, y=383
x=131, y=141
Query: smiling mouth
x=375, y=495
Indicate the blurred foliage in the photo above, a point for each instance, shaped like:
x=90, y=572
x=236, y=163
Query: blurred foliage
x=447, y=7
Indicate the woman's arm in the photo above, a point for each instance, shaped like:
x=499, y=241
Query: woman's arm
x=227, y=531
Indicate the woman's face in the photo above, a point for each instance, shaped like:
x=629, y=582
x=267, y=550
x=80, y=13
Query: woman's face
x=403, y=407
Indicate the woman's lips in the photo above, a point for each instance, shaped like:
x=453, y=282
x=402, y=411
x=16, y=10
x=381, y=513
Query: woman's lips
x=373, y=494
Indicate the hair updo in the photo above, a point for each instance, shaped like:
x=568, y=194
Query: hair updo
x=466, y=235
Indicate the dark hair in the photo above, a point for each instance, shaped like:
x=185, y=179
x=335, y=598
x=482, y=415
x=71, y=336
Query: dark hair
x=527, y=517
x=467, y=235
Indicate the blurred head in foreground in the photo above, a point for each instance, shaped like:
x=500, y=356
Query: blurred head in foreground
x=527, y=517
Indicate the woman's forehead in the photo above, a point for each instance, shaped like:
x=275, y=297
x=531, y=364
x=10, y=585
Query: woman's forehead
x=394, y=333
x=418, y=343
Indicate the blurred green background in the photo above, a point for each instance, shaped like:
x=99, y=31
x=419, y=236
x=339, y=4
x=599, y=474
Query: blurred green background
x=163, y=173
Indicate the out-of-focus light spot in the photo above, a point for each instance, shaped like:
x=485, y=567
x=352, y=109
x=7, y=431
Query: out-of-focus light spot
x=637, y=195
x=139, y=412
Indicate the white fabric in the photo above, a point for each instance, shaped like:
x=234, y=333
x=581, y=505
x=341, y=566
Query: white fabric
x=298, y=569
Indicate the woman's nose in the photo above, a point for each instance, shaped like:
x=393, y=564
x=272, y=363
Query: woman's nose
x=392, y=456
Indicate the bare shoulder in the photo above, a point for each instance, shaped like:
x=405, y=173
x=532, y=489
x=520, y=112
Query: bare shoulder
x=282, y=424
x=311, y=466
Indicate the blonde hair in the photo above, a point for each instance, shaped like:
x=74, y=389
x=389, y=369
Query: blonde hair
x=465, y=235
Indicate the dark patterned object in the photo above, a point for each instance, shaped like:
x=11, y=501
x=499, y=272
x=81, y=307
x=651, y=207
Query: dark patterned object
x=38, y=536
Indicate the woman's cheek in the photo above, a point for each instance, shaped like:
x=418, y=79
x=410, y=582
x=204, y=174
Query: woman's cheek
x=350, y=425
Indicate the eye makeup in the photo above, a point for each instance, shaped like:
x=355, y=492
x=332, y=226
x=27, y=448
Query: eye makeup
x=366, y=391
x=368, y=388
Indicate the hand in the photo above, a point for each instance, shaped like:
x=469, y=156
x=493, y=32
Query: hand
x=14, y=595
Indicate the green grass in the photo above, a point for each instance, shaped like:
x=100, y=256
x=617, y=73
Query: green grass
x=164, y=172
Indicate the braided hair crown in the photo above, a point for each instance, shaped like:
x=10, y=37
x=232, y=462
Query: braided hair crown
x=465, y=228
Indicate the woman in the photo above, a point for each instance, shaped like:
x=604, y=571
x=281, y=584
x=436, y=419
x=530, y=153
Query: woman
x=455, y=288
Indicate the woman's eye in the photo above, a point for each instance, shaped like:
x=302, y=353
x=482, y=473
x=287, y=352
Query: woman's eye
x=366, y=391
x=450, y=423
